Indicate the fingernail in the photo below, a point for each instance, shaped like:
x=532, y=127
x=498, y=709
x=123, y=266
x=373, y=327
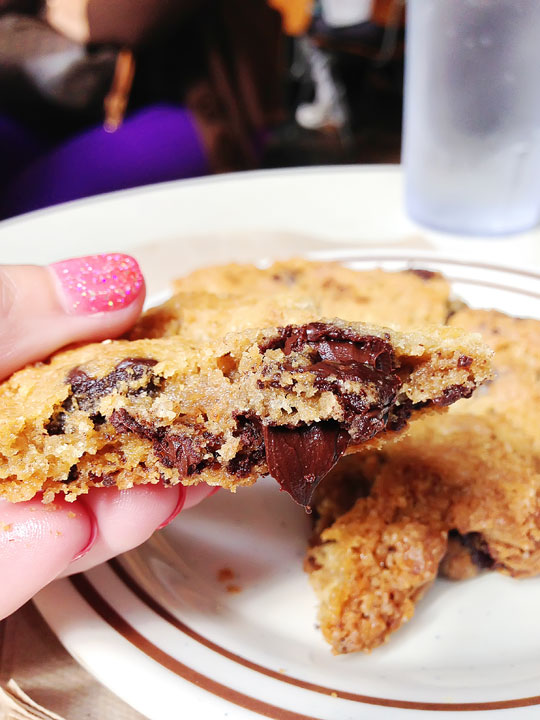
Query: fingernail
x=177, y=509
x=93, y=535
x=98, y=283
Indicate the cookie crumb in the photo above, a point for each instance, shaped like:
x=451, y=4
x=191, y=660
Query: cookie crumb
x=71, y=514
x=334, y=694
x=233, y=589
x=6, y=527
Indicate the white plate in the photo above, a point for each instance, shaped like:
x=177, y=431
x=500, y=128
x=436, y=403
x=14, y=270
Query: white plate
x=157, y=626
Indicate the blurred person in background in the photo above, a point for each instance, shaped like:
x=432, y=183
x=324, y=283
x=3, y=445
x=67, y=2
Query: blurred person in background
x=368, y=28
x=345, y=82
x=100, y=95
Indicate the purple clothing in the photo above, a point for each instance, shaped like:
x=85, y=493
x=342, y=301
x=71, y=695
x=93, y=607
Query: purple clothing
x=154, y=144
x=18, y=147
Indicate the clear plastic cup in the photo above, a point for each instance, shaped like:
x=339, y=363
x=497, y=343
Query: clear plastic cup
x=471, y=142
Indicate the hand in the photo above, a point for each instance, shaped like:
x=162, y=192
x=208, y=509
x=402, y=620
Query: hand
x=41, y=310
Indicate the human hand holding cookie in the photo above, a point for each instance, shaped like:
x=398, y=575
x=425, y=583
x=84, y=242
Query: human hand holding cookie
x=42, y=310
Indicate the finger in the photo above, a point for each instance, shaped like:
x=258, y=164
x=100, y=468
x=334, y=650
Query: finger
x=197, y=494
x=37, y=542
x=127, y=518
x=45, y=308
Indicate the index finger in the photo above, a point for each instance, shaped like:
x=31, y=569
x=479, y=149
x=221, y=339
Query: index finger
x=37, y=542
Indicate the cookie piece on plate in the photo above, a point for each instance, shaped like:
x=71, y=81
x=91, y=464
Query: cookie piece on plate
x=370, y=566
x=397, y=299
x=509, y=532
x=474, y=477
x=455, y=496
x=286, y=401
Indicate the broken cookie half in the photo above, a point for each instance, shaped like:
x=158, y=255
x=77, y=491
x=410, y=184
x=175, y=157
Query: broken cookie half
x=288, y=401
x=458, y=496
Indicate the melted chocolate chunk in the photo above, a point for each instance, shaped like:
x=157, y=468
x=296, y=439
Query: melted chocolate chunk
x=86, y=389
x=399, y=414
x=123, y=422
x=370, y=351
x=349, y=370
x=366, y=425
x=299, y=458
x=369, y=361
x=184, y=452
x=337, y=355
x=452, y=394
x=251, y=450
x=464, y=361
x=294, y=337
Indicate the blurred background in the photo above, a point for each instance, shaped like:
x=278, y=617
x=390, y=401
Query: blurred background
x=101, y=95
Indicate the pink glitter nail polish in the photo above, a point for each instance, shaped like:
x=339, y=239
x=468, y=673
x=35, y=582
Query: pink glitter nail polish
x=98, y=283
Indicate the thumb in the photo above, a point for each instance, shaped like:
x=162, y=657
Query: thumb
x=82, y=299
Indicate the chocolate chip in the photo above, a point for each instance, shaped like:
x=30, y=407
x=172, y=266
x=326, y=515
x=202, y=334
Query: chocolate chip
x=83, y=388
x=138, y=366
x=123, y=422
x=187, y=453
x=251, y=450
x=464, y=361
x=337, y=355
x=452, y=394
x=73, y=474
x=105, y=480
x=477, y=547
x=57, y=424
x=370, y=351
x=293, y=338
x=286, y=277
x=298, y=458
x=423, y=274
x=366, y=425
x=87, y=389
x=180, y=452
x=369, y=362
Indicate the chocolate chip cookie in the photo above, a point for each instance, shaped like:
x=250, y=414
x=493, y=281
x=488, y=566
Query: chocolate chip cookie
x=288, y=401
x=396, y=299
